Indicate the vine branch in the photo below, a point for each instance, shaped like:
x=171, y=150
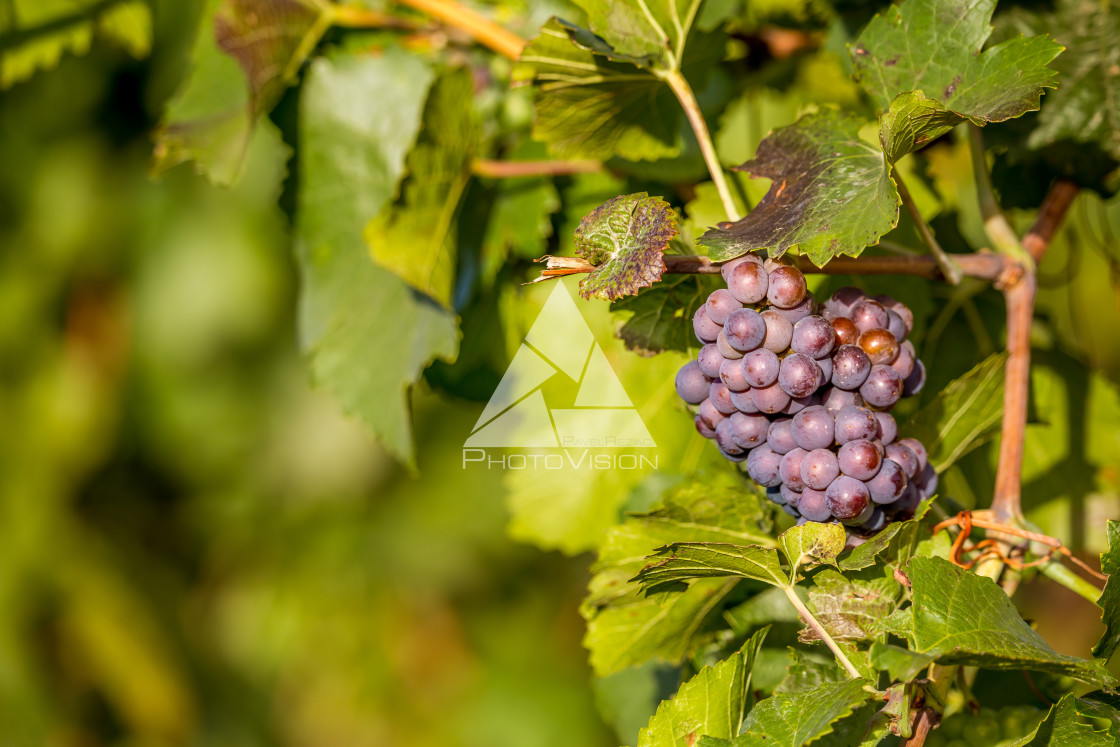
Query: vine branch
x=474, y=24
x=1054, y=208
x=497, y=169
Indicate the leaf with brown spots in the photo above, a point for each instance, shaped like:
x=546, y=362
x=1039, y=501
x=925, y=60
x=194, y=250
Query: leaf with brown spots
x=625, y=238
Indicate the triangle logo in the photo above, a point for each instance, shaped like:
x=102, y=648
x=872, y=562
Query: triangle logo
x=560, y=344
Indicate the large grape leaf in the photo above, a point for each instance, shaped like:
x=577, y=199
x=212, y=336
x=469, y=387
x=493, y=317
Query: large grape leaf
x=711, y=703
x=415, y=237
x=684, y=561
x=35, y=34
x=962, y=618
x=661, y=316
x=793, y=719
x=246, y=55
x=964, y=415
x=1110, y=598
x=831, y=194
x=368, y=335
x=1062, y=726
x=625, y=239
x=934, y=46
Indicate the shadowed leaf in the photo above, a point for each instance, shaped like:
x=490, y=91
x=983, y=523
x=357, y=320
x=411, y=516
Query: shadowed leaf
x=661, y=315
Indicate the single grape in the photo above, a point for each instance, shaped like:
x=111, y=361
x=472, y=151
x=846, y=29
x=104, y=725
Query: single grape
x=906, y=458
x=905, y=361
x=879, y=344
x=729, y=266
x=720, y=396
x=692, y=384
x=888, y=429
x=723, y=438
x=855, y=423
x=835, y=399
x=720, y=305
x=919, y=450
x=747, y=282
x=763, y=465
x=847, y=498
x=703, y=429
x=725, y=348
x=710, y=361
x=797, y=404
x=896, y=326
x=779, y=331
x=867, y=314
x=731, y=374
x=743, y=402
x=847, y=333
x=798, y=375
x=902, y=310
x=862, y=518
x=740, y=457
x=790, y=468
x=748, y=431
x=780, y=436
x=916, y=381
x=760, y=367
x=769, y=399
x=927, y=481
x=860, y=459
x=813, y=428
x=883, y=386
x=789, y=495
x=877, y=521
x=813, y=505
x=850, y=367
x=813, y=336
x=792, y=512
x=908, y=501
x=798, y=312
x=841, y=302
x=825, y=365
x=786, y=287
x=774, y=494
x=819, y=468
x=745, y=329
x=705, y=329
x=709, y=414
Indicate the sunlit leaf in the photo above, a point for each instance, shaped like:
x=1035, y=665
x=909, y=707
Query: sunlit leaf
x=625, y=239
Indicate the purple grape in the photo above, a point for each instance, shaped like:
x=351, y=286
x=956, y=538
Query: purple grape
x=883, y=386
x=846, y=497
x=927, y=482
x=825, y=365
x=813, y=428
x=916, y=381
x=774, y=494
x=769, y=399
x=779, y=331
x=703, y=429
x=863, y=517
x=909, y=500
x=850, y=367
x=763, y=465
x=793, y=512
x=745, y=329
x=888, y=429
x=786, y=287
x=790, y=468
x=896, y=326
x=919, y=450
x=813, y=336
x=692, y=384
x=748, y=431
x=797, y=404
x=705, y=329
x=903, y=312
x=860, y=459
x=747, y=282
x=729, y=266
x=720, y=305
x=709, y=414
x=710, y=361
x=880, y=346
x=906, y=459
x=780, y=435
x=723, y=438
x=847, y=333
x=731, y=374
x=835, y=399
x=720, y=396
x=740, y=457
x=841, y=302
x=743, y=403
x=877, y=521
x=798, y=312
x=905, y=361
x=798, y=375
x=789, y=495
x=760, y=367
x=867, y=314
x=819, y=468
x=813, y=505
x=725, y=348
x=888, y=484
x=855, y=423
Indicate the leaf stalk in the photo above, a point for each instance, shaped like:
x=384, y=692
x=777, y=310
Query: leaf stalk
x=948, y=267
x=815, y=624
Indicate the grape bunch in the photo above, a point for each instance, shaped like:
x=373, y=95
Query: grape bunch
x=803, y=398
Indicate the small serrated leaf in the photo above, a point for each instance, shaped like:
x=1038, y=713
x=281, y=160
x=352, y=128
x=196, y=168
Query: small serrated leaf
x=900, y=664
x=912, y=122
x=812, y=542
x=625, y=238
x=684, y=561
x=1110, y=598
x=799, y=718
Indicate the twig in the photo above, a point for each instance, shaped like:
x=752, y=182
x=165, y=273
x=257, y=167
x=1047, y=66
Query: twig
x=497, y=169
x=951, y=272
x=350, y=17
x=998, y=230
x=1054, y=207
x=477, y=26
x=813, y=623
x=683, y=91
x=927, y=719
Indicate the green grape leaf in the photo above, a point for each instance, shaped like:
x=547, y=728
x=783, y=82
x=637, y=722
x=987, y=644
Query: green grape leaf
x=625, y=239
x=964, y=415
x=812, y=542
x=684, y=561
x=864, y=555
x=831, y=193
x=712, y=703
x=934, y=46
x=809, y=670
x=415, y=236
x=1063, y=726
x=660, y=317
x=849, y=609
x=246, y=55
x=35, y=34
x=798, y=718
x=962, y=618
x=1110, y=597
x=900, y=664
x=367, y=334
x=1086, y=106
x=912, y=122
x=654, y=31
